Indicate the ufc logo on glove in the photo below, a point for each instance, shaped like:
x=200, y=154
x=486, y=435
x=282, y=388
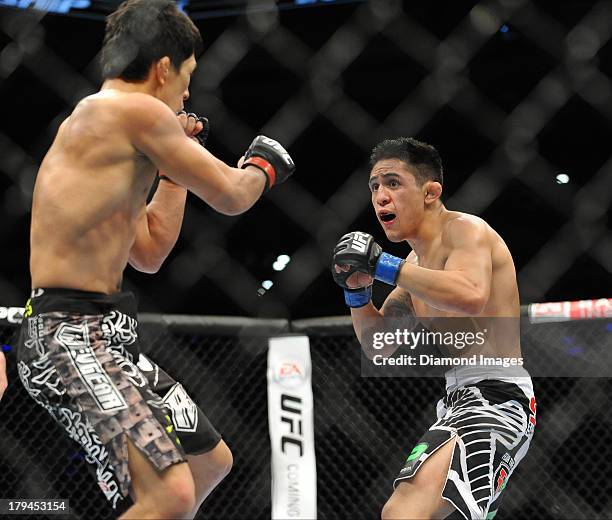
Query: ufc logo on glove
x=360, y=241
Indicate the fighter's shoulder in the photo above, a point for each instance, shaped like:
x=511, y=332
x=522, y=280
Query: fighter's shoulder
x=124, y=108
x=463, y=229
x=144, y=110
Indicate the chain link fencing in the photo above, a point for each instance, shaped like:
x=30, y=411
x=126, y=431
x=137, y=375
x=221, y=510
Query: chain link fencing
x=514, y=93
x=364, y=427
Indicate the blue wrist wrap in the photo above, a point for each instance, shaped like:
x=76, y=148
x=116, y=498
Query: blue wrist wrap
x=387, y=268
x=358, y=297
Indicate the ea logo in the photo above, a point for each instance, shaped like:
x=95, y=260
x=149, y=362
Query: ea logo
x=11, y=314
x=289, y=373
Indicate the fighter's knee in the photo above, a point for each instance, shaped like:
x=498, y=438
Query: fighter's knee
x=385, y=514
x=390, y=511
x=223, y=461
x=178, y=497
x=407, y=502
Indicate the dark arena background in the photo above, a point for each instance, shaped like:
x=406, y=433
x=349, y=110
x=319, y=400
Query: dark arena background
x=517, y=97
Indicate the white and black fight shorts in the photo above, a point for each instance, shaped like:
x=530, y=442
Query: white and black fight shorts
x=493, y=421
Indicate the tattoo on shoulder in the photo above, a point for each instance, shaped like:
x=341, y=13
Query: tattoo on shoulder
x=398, y=306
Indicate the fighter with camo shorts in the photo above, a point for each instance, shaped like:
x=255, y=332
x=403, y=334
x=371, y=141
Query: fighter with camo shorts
x=459, y=267
x=79, y=353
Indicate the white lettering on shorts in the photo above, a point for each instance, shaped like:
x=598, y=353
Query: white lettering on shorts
x=184, y=410
x=75, y=340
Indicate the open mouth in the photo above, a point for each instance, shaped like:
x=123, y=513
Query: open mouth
x=387, y=217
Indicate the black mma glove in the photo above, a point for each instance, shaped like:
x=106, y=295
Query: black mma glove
x=202, y=136
x=359, y=251
x=271, y=158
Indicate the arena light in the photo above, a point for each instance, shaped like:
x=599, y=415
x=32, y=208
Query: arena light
x=562, y=178
x=196, y=9
x=52, y=6
x=265, y=286
x=281, y=262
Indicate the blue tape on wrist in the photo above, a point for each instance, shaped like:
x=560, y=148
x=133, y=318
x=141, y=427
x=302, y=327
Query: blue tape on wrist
x=387, y=268
x=358, y=297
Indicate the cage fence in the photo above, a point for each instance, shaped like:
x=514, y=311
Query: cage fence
x=364, y=427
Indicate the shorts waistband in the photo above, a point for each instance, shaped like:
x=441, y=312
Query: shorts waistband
x=57, y=299
x=470, y=375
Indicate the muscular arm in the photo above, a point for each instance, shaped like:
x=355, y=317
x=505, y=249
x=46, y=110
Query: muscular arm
x=465, y=283
x=3, y=379
x=158, y=227
x=157, y=133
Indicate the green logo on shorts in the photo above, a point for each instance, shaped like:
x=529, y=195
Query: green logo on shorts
x=28, y=308
x=417, y=451
x=170, y=429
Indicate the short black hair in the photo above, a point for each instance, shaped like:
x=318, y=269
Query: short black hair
x=141, y=32
x=422, y=157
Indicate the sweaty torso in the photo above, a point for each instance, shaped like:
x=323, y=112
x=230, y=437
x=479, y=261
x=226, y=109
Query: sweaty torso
x=500, y=315
x=90, y=192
